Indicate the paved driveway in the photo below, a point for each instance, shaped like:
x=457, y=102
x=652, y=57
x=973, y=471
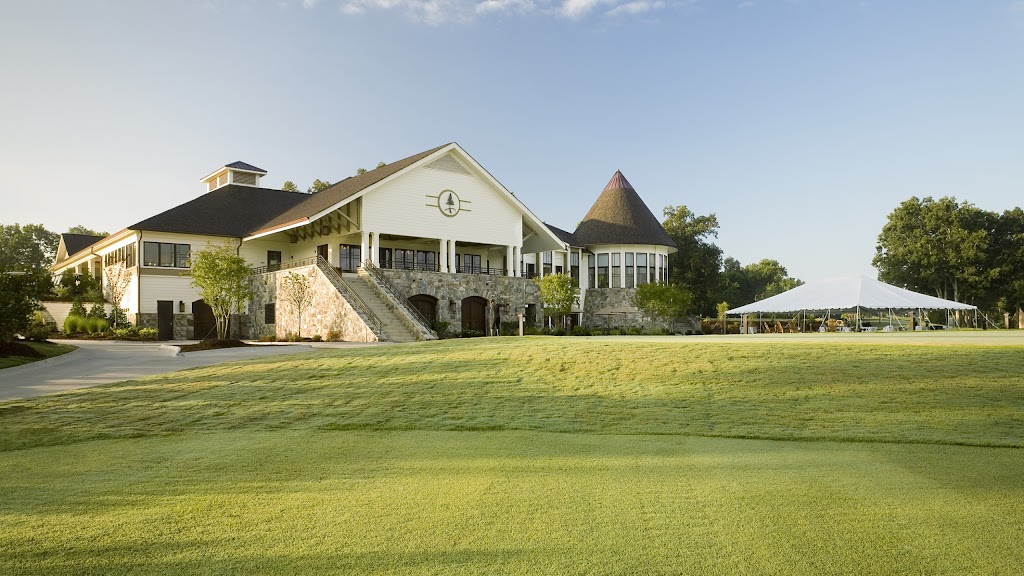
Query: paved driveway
x=103, y=361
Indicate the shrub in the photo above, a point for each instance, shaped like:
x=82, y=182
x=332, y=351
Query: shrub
x=580, y=331
x=117, y=317
x=509, y=328
x=558, y=331
x=123, y=333
x=78, y=309
x=442, y=328
x=97, y=311
x=334, y=335
x=615, y=332
x=74, y=324
x=148, y=333
x=317, y=338
x=472, y=333
x=37, y=333
x=96, y=325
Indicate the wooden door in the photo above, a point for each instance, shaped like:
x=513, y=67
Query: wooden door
x=165, y=319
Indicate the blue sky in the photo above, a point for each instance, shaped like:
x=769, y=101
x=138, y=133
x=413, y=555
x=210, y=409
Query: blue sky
x=800, y=123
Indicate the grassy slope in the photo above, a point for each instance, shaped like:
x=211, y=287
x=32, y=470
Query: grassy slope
x=342, y=462
x=887, y=393
x=48, y=349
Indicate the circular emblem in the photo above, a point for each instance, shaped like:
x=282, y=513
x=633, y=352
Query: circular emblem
x=448, y=203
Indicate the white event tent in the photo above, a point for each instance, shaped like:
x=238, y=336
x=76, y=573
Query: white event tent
x=849, y=293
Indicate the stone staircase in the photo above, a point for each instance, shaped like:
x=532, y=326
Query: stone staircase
x=393, y=326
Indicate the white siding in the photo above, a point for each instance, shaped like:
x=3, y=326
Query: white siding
x=174, y=288
x=404, y=206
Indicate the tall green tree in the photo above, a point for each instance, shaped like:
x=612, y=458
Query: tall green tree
x=698, y=263
x=20, y=291
x=1007, y=260
x=753, y=282
x=79, y=229
x=317, y=186
x=222, y=278
x=559, y=292
x=26, y=247
x=940, y=247
x=289, y=186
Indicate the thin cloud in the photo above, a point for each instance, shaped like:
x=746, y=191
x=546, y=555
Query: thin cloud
x=637, y=7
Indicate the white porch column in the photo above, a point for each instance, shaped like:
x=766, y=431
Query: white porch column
x=517, y=266
x=375, y=249
x=442, y=256
x=539, y=257
x=510, y=266
x=622, y=269
x=364, y=247
x=584, y=275
x=451, y=257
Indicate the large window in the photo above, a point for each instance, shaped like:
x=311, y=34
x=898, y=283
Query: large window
x=641, y=268
x=574, y=267
x=349, y=257
x=471, y=263
x=602, y=270
x=591, y=271
x=652, y=272
x=547, y=264
x=616, y=270
x=404, y=259
x=426, y=261
x=629, y=269
x=165, y=254
x=386, y=258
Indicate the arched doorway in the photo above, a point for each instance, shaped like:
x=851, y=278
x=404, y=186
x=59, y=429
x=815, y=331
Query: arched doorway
x=204, y=324
x=426, y=304
x=474, y=314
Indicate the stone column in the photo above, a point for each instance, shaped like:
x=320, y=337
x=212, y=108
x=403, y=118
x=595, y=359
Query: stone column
x=375, y=248
x=510, y=255
x=442, y=256
x=364, y=247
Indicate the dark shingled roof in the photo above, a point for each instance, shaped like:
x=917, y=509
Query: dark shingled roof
x=620, y=217
x=243, y=166
x=348, y=187
x=564, y=236
x=231, y=210
x=75, y=242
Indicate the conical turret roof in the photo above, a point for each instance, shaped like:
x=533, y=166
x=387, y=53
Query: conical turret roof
x=620, y=217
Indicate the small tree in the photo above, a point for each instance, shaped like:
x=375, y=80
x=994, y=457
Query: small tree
x=119, y=278
x=661, y=301
x=296, y=291
x=559, y=292
x=222, y=278
x=723, y=309
x=19, y=300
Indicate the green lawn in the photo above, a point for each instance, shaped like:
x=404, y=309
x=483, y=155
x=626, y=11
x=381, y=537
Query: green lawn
x=535, y=455
x=47, y=349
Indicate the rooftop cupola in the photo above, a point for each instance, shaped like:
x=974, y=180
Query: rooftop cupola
x=238, y=173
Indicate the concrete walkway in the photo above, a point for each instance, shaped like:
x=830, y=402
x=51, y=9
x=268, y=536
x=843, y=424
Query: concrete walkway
x=104, y=361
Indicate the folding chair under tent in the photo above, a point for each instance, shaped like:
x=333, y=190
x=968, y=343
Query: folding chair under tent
x=849, y=293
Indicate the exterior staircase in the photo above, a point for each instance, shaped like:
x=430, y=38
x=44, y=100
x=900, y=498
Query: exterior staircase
x=395, y=329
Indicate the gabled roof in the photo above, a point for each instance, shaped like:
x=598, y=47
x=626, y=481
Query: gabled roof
x=231, y=210
x=244, y=166
x=75, y=242
x=620, y=217
x=564, y=236
x=316, y=203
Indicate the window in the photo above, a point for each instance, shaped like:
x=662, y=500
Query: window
x=547, y=263
x=269, y=315
x=348, y=257
x=574, y=268
x=404, y=259
x=602, y=271
x=616, y=270
x=471, y=263
x=386, y=259
x=165, y=254
x=273, y=262
x=629, y=269
x=124, y=254
x=652, y=272
x=641, y=268
x=661, y=267
x=426, y=261
x=591, y=271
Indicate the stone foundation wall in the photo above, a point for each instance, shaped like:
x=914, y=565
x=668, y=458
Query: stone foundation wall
x=328, y=315
x=508, y=295
x=611, y=308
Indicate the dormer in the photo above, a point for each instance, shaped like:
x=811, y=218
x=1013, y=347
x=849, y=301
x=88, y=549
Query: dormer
x=238, y=173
